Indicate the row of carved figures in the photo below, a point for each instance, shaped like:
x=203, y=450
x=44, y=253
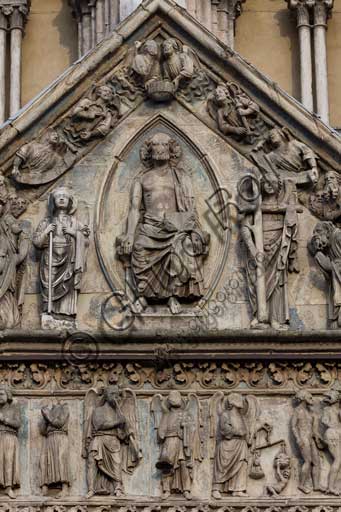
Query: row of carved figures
x=164, y=246
x=111, y=443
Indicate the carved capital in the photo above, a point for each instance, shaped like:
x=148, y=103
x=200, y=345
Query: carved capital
x=14, y=13
x=232, y=8
x=81, y=8
x=301, y=9
x=322, y=11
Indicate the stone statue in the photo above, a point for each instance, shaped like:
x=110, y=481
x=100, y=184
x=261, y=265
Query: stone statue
x=180, y=62
x=163, y=234
x=10, y=422
x=222, y=108
x=145, y=64
x=234, y=429
x=39, y=162
x=92, y=117
x=14, y=247
x=63, y=240
x=325, y=246
x=110, y=439
x=269, y=227
x=177, y=421
x=326, y=203
x=54, y=458
x=331, y=422
x=286, y=157
x=282, y=469
x=305, y=428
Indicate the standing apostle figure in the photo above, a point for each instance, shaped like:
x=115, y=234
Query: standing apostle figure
x=10, y=422
x=64, y=242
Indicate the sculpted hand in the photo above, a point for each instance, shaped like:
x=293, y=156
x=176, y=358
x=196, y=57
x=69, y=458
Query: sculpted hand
x=127, y=243
x=176, y=83
x=69, y=231
x=51, y=228
x=313, y=175
x=197, y=243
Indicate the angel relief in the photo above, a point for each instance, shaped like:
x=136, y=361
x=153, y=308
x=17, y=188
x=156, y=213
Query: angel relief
x=237, y=440
x=162, y=69
x=178, y=422
x=110, y=439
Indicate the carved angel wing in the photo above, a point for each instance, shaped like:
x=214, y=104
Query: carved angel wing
x=92, y=400
x=216, y=408
x=131, y=453
x=194, y=419
x=158, y=407
x=251, y=413
x=191, y=54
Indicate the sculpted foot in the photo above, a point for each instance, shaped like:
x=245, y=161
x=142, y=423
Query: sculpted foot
x=239, y=494
x=90, y=494
x=174, y=306
x=10, y=493
x=63, y=492
x=216, y=495
x=333, y=491
x=188, y=495
x=44, y=490
x=165, y=495
x=139, y=306
x=304, y=489
x=119, y=493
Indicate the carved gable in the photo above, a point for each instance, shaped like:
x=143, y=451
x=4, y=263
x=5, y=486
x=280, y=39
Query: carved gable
x=169, y=239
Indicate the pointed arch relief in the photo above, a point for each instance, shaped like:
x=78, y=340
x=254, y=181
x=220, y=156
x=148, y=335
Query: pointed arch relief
x=194, y=174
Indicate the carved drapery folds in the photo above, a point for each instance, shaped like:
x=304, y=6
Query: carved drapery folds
x=13, y=16
x=63, y=242
x=313, y=15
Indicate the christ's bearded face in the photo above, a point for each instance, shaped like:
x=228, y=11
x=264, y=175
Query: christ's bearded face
x=320, y=239
x=160, y=147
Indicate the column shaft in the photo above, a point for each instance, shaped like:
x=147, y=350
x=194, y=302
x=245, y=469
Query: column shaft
x=86, y=33
x=99, y=20
x=306, y=68
x=15, y=78
x=114, y=13
x=3, y=50
x=321, y=10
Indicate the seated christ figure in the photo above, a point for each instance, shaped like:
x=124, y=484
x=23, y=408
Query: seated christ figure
x=163, y=235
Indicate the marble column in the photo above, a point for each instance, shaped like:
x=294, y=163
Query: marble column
x=322, y=11
x=301, y=8
x=16, y=27
x=227, y=13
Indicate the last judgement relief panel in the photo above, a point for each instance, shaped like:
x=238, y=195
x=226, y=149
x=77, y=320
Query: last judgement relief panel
x=167, y=206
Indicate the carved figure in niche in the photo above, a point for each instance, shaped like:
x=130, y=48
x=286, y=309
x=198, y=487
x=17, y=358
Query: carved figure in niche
x=305, y=427
x=54, y=458
x=146, y=62
x=110, y=440
x=180, y=62
x=40, y=161
x=10, y=422
x=287, y=157
x=92, y=117
x=331, y=421
x=234, y=429
x=325, y=246
x=163, y=234
x=14, y=247
x=326, y=203
x=269, y=227
x=177, y=421
x=282, y=469
x=63, y=240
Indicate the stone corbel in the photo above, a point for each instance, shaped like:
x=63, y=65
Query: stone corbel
x=227, y=13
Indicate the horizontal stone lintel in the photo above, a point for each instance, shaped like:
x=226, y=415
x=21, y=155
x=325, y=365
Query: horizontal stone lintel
x=227, y=344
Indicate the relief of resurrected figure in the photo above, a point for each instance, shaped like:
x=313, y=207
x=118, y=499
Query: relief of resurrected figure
x=63, y=240
x=163, y=235
x=305, y=427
